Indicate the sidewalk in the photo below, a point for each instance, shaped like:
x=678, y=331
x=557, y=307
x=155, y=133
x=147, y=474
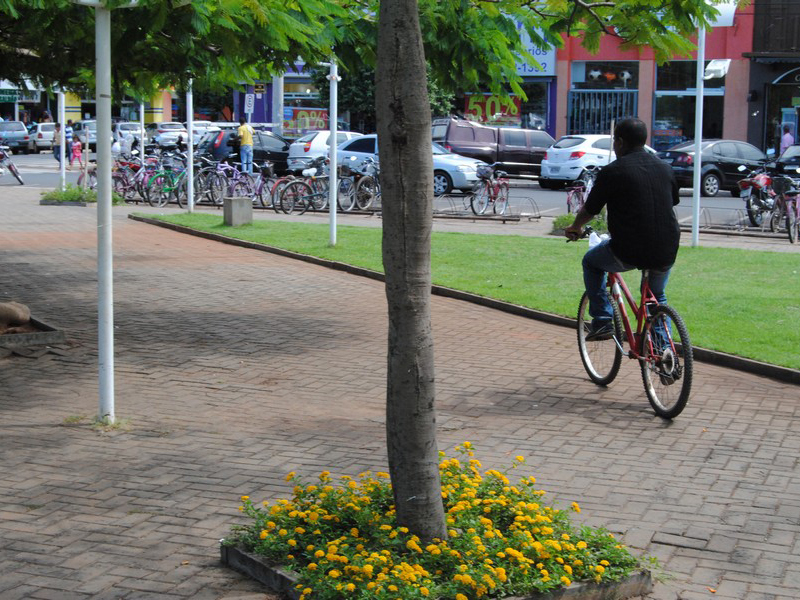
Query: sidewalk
x=235, y=366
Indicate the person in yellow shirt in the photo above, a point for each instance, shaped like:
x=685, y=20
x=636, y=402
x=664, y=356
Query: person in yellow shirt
x=245, y=132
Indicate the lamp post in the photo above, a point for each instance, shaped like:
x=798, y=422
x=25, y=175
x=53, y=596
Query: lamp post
x=333, y=122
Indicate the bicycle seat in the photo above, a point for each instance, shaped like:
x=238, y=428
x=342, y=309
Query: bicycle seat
x=500, y=174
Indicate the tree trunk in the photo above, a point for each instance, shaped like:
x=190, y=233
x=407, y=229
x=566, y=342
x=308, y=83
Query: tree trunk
x=404, y=141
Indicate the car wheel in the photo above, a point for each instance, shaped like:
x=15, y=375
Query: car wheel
x=545, y=184
x=442, y=184
x=710, y=184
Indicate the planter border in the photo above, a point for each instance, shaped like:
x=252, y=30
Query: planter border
x=55, y=203
x=283, y=581
x=722, y=359
x=46, y=335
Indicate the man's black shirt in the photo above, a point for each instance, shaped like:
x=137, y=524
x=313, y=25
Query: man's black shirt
x=639, y=190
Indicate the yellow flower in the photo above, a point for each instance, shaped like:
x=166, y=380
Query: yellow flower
x=333, y=573
x=520, y=458
x=461, y=597
x=581, y=545
x=354, y=532
x=350, y=587
x=392, y=588
x=568, y=569
x=565, y=581
x=264, y=534
x=605, y=563
x=245, y=498
x=290, y=476
x=424, y=591
x=312, y=566
x=576, y=507
x=600, y=569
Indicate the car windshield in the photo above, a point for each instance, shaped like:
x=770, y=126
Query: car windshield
x=568, y=142
x=171, y=126
x=790, y=152
x=437, y=149
x=91, y=126
x=307, y=138
x=129, y=126
x=47, y=126
x=12, y=126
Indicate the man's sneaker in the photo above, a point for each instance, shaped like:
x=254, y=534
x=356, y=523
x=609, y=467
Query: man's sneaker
x=601, y=331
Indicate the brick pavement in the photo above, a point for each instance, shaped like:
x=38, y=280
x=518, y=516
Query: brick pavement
x=235, y=366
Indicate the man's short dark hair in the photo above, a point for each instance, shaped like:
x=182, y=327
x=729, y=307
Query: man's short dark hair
x=242, y=120
x=632, y=131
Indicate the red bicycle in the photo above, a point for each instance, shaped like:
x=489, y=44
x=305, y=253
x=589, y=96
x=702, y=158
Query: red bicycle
x=660, y=343
x=491, y=188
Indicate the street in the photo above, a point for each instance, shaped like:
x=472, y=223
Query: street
x=724, y=210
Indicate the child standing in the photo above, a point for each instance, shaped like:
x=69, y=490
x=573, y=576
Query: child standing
x=76, y=152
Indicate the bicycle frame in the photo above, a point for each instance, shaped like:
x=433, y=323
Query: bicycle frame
x=619, y=290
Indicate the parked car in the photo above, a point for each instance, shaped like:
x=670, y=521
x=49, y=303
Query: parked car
x=568, y=160
x=450, y=171
x=124, y=129
x=313, y=145
x=721, y=160
x=165, y=133
x=788, y=162
x=41, y=136
x=15, y=135
x=199, y=129
x=514, y=150
x=224, y=145
x=86, y=131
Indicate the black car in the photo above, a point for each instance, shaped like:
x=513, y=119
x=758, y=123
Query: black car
x=721, y=161
x=787, y=163
x=224, y=145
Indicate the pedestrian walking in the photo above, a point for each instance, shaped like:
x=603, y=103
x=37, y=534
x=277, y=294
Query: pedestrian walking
x=76, y=152
x=57, y=143
x=245, y=132
x=787, y=139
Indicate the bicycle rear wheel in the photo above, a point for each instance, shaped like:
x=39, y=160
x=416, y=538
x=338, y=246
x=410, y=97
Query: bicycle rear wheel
x=217, y=187
x=296, y=197
x=602, y=358
x=667, y=361
x=792, y=224
x=15, y=172
x=480, y=197
x=157, y=193
x=501, y=202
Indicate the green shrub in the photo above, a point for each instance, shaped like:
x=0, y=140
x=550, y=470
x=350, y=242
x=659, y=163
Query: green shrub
x=74, y=193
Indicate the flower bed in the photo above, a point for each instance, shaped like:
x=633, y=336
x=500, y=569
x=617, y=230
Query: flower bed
x=343, y=540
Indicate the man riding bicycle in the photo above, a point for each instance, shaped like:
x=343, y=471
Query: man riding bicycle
x=639, y=191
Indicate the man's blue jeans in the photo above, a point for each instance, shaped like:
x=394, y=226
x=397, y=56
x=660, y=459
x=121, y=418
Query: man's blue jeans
x=600, y=260
x=246, y=154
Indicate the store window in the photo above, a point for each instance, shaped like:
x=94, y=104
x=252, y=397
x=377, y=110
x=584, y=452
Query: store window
x=605, y=75
x=675, y=105
x=534, y=111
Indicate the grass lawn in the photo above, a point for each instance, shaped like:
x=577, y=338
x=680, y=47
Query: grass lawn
x=743, y=302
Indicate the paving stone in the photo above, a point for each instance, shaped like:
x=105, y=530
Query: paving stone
x=227, y=384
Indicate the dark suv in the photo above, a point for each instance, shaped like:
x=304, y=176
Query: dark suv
x=512, y=149
x=224, y=145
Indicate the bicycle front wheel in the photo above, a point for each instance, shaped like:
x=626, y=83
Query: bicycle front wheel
x=501, y=202
x=480, y=197
x=667, y=361
x=366, y=190
x=601, y=358
x=346, y=198
x=157, y=192
x=296, y=197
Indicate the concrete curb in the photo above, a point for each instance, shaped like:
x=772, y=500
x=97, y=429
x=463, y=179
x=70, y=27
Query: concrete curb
x=721, y=359
x=284, y=581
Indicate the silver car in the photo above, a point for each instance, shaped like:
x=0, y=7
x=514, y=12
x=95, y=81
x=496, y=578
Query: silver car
x=165, y=134
x=15, y=135
x=450, y=171
x=86, y=131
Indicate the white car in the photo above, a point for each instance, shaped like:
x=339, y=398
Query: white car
x=127, y=130
x=313, y=145
x=567, y=160
x=450, y=171
x=165, y=134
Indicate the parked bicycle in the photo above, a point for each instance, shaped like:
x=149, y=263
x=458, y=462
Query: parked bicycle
x=368, y=188
x=660, y=343
x=491, y=189
x=310, y=192
x=787, y=208
x=579, y=191
x=7, y=163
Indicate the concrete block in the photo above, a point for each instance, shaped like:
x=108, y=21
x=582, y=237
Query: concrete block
x=237, y=211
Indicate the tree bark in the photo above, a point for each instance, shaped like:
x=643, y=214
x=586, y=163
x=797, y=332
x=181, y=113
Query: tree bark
x=404, y=142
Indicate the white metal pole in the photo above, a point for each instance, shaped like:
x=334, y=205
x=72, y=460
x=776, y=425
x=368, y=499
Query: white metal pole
x=16, y=109
x=105, y=282
x=61, y=150
x=141, y=131
x=190, y=150
x=333, y=117
x=698, y=135
x=277, y=104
